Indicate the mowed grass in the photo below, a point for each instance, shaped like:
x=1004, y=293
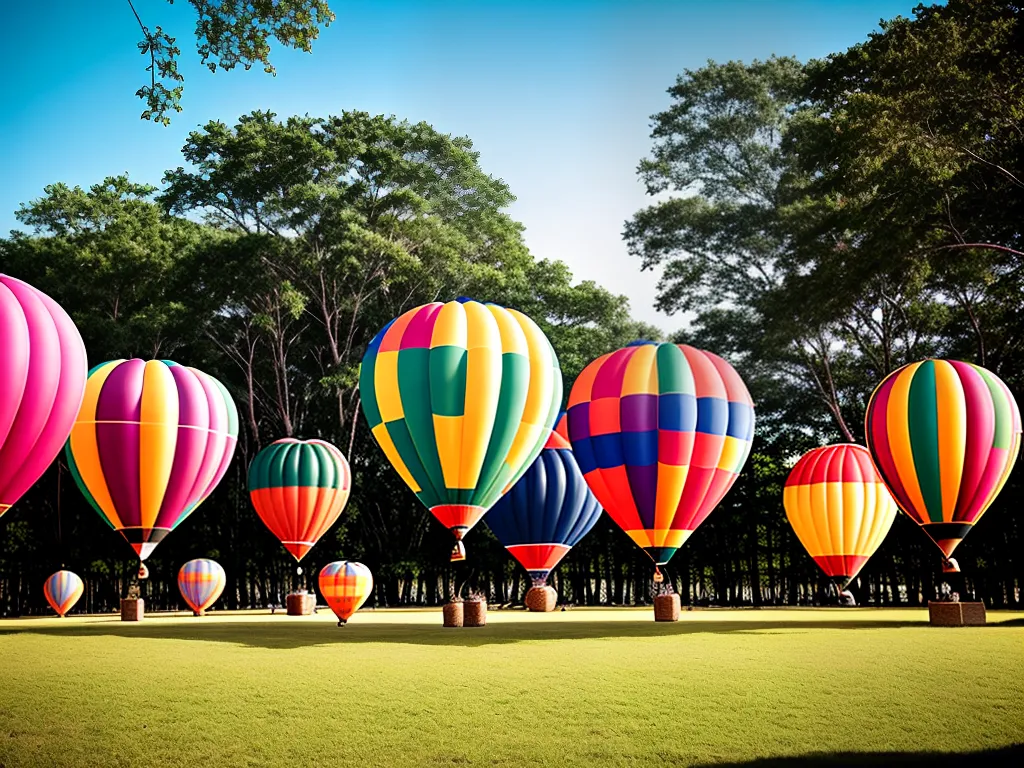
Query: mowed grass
x=583, y=687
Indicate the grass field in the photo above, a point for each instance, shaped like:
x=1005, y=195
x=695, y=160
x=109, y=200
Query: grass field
x=584, y=687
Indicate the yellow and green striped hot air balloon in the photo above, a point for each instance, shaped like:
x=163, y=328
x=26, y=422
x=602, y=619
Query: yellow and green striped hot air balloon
x=944, y=436
x=461, y=398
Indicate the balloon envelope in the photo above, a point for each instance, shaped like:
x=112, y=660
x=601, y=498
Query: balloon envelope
x=299, y=489
x=62, y=590
x=660, y=432
x=345, y=586
x=152, y=441
x=839, y=508
x=42, y=379
x=201, y=582
x=547, y=512
x=461, y=398
x=944, y=436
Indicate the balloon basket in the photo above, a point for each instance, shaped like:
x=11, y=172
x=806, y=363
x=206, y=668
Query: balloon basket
x=453, y=614
x=948, y=614
x=474, y=613
x=300, y=604
x=541, y=599
x=666, y=607
x=133, y=609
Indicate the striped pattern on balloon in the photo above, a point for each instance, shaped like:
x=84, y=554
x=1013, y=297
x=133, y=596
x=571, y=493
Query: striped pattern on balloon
x=299, y=489
x=345, y=586
x=460, y=397
x=151, y=442
x=839, y=508
x=944, y=436
x=62, y=590
x=201, y=583
x=44, y=370
x=660, y=432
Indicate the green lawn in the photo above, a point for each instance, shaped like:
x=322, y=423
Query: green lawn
x=583, y=687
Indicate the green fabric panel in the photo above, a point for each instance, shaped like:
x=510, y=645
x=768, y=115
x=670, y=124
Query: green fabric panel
x=329, y=476
x=448, y=380
x=923, y=419
x=414, y=389
x=674, y=374
x=1003, y=437
x=515, y=381
x=81, y=484
x=552, y=417
x=230, y=404
x=367, y=394
x=399, y=433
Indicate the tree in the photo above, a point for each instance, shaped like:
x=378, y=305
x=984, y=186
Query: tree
x=228, y=33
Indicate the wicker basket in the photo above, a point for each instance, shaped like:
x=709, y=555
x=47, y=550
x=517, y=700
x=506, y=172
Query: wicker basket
x=133, y=609
x=541, y=599
x=474, y=613
x=941, y=614
x=300, y=603
x=666, y=607
x=453, y=614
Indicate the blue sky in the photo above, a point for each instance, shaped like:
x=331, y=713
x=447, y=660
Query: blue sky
x=557, y=96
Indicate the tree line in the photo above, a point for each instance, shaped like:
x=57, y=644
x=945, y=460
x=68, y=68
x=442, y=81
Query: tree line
x=825, y=223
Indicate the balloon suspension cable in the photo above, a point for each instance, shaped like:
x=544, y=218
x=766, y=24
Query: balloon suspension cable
x=458, y=551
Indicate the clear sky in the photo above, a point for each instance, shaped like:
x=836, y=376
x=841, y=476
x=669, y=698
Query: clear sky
x=556, y=95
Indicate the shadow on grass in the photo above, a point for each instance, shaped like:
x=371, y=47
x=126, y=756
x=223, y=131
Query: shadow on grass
x=286, y=632
x=1013, y=755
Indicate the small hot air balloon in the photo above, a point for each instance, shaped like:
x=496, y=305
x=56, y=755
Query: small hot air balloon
x=547, y=512
x=151, y=442
x=43, y=366
x=62, y=590
x=461, y=398
x=660, y=432
x=839, y=509
x=944, y=436
x=201, y=582
x=299, y=489
x=345, y=586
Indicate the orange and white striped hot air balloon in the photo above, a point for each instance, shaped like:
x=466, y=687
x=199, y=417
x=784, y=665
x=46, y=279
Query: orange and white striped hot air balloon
x=345, y=586
x=839, y=508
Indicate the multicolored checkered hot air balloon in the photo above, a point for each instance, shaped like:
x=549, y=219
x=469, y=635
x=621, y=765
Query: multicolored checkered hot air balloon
x=299, y=489
x=547, y=512
x=944, y=436
x=345, y=586
x=62, y=590
x=201, y=582
x=42, y=378
x=151, y=442
x=839, y=508
x=461, y=398
x=660, y=432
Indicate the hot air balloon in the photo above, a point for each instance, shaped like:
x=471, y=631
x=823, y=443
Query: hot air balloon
x=562, y=426
x=345, y=586
x=839, y=509
x=299, y=488
x=944, y=436
x=660, y=432
x=547, y=512
x=201, y=582
x=42, y=360
x=151, y=442
x=461, y=398
x=62, y=590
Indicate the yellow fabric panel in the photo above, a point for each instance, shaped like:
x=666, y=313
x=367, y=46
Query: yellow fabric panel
x=671, y=480
x=734, y=450
x=855, y=512
x=483, y=385
x=158, y=437
x=380, y=432
x=658, y=538
x=448, y=438
x=526, y=438
x=512, y=337
x=84, y=445
x=952, y=429
x=884, y=514
x=542, y=375
x=641, y=538
x=898, y=430
x=385, y=386
x=449, y=326
x=641, y=374
x=800, y=503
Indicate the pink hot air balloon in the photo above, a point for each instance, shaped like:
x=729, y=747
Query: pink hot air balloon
x=42, y=380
